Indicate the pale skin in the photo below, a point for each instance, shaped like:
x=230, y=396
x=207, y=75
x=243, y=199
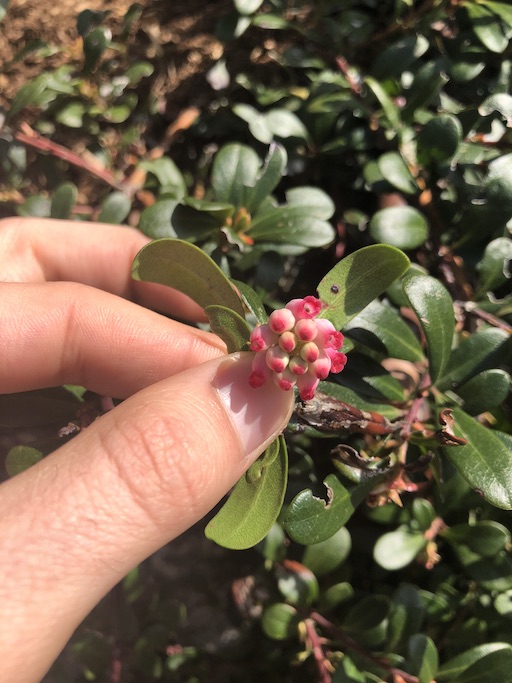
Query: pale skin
x=73, y=525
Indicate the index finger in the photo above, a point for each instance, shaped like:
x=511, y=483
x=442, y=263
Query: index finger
x=96, y=254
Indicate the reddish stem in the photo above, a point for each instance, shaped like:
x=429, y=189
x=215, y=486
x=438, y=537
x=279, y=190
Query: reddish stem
x=28, y=136
x=318, y=651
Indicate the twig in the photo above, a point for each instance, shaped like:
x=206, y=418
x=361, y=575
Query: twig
x=28, y=136
x=473, y=309
x=318, y=652
x=353, y=645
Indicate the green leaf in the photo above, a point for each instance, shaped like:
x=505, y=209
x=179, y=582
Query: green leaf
x=187, y=268
x=395, y=171
x=138, y=71
x=484, y=461
x=458, y=664
x=428, y=82
x=29, y=94
x=313, y=200
x=234, y=174
x=310, y=519
x=95, y=43
x=71, y=115
x=439, y=139
x=291, y=224
x=398, y=548
x=285, y=124
x=406, y=616
x=494, y=268
x=280, y=621
x=323, y=557
x=37, y=205
x=423, y=657
x=357, y=279
x=115, y=208
x=389, y=108
x=155, y=221
x=297, y=584
x=487, y=27
x=380, y=327
x=485, y=391
x=399, y=226
x=247, y=6
x=480, y=351
x=368, y=619
x=500, y=102
x=167, y=174
x=335, y=595
x=502, y=9
x=495, y=666
x=63, y=200
x=254, y=504
x=252, y=301
x=20, y=458
x=269, y=178
x=229, y=326
x=485, y=538
x=434, y=307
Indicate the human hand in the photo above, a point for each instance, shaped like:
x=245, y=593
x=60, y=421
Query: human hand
x=74, y=524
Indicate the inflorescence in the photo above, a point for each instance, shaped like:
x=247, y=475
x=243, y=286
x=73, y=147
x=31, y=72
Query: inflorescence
x=296, y=348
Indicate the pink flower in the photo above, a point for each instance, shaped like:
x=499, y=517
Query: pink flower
x=296, y=348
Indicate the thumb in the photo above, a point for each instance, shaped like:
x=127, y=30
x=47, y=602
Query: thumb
x=77, y=522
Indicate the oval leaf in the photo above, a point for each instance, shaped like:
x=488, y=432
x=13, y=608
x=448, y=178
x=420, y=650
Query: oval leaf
x=254, y=504
x=115, y=208
x=395, y=171
x=187, y=268
x=63, y=201
x=280, y=621
x=434, y=307
x=229, y=326
x=398, y=548
x=484, y=461
x=399, y=226
x=323, y=557
x=357, y=279
x=485, y=391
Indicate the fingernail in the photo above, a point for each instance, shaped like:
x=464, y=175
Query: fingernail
x=259, y=415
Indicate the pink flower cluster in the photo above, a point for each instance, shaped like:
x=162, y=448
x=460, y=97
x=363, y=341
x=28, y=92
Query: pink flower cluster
x=296, y=348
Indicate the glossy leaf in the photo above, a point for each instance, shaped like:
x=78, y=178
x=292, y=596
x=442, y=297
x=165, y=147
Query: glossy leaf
x=495, y=667
x=297, y=583
x=229, y=326
x=291, y=224
x=485, y=391
x=63, y=200
x=167, y=174
x=457, y=665
x=358, y=279
x=434, y=307
x=500, y=102
x=285, y=124
x=439, y=139
x=485, y=538
x=480, y=351
x=313, y=200
x=484, y=461
x=251, y=301
x=399, y=226
x=494, y=268
x=310, y=519
x=380, y=327
x=247, y=6
x=155, y=221
x=280, y=621
x=398, y=548
x=185, y=267
x=269, y=177
x=487, y=27
x=323, y=557
x=395, y=171
x=423, y=657
x=406, y=616
x=234, y=174
x=367, y=620
x=253, y=505
x=335, y=595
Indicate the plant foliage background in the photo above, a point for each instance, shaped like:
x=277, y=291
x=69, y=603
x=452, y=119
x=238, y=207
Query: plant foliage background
x=378, y=131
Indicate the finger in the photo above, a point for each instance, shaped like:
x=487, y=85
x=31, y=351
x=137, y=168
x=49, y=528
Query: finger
x=77, y=522
x=96, y=254
x=65, y=333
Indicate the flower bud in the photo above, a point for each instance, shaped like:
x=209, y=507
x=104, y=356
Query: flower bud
x=281, y=320
x=306, y=330
x=287, y=341
x=277, y=359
